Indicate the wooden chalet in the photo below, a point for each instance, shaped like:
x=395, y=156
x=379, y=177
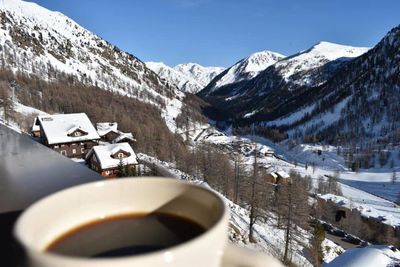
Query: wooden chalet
x=72, y=135
x=279, y=177
x=108, y=132
x=283, y=177
x=106, y=159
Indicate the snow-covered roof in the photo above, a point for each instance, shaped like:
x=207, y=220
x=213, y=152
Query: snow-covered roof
x=283, y=174
x=274, y=175
x=365, y=210
x=104, y=128
x=372, y=256
x=123, y=136
x=104, y=153
x=58, y=128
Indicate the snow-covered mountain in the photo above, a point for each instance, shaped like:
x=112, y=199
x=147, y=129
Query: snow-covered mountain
x=189, y=77
x=203, y=75
x=328, y=93
x=359, y=103
x=245, y=69
x=262, y=97
x=49, y=45
x=298, y=68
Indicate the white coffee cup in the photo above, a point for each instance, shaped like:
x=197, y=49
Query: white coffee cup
x=53, y=216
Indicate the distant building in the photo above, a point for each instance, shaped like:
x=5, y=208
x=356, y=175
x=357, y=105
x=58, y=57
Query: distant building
x=271, y=177
x=283, y=177
x=72, y=135
x=106, y=159
x=361, y=220
x=35, y=130
x=108, y=132
x=279, y=177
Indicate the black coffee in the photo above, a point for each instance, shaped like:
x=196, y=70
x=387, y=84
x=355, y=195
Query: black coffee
x=126, y=235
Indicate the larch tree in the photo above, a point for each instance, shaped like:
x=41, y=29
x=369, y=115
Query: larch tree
x=318, y=236
x=293, y=209
x=5, y=101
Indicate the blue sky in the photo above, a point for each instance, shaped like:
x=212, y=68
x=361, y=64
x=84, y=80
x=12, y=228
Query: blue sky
x=220, y=32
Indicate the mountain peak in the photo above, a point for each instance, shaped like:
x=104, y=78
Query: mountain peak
x=188, y=77
x=203, y=75
x=247, y=68
x=332, y=51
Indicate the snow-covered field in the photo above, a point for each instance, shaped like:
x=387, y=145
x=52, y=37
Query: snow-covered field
x=370, y=189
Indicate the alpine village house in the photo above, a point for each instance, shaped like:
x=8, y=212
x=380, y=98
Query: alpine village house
x=72, y=135
x=107, y=159
x=108, y=132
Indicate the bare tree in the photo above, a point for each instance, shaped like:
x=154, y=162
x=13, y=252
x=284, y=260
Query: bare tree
x=318, y=236
x=253, y=197
x=398, y=199
x=238, y=175
x=292, y=206
x=5, y=101
x=394, y=177
x=333, y=185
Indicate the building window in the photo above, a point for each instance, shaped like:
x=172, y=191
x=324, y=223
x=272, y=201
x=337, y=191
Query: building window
x=120, y=155
x=77, y=133
x=56, y=146
x=63, y=152
x=62, y=145
x=107, y=172
x=74, y=151
x=82, y=150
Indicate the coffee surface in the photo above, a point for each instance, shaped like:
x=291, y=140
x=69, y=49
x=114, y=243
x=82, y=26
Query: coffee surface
x=126, y=235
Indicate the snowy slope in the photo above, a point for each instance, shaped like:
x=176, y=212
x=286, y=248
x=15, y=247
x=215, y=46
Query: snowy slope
x=360, y=100
x=174, y=77
x=245, y=69
x=203, y=75
x=189, y=77
x=265, y=94
x=50, y=45
x=315, y=57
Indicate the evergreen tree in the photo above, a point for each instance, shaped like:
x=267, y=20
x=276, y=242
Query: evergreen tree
x=121, y=168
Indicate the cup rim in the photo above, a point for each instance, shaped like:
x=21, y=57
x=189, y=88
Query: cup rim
x=209, y=231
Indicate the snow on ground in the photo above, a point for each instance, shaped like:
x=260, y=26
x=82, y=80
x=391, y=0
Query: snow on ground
x=291, y=118
x=323, y=119
x=26, y=110
x=371, y=188
x=170, y=113
x=372, y=256
x=269, y=238
x=10, y=125
x=330, y=250
x=365, y=209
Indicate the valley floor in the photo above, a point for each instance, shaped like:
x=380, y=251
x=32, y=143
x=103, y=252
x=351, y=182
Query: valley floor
x=372, y=188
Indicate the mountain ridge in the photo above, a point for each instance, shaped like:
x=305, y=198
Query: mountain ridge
x=47, y=43
x=280, y=82
x=188, y=77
